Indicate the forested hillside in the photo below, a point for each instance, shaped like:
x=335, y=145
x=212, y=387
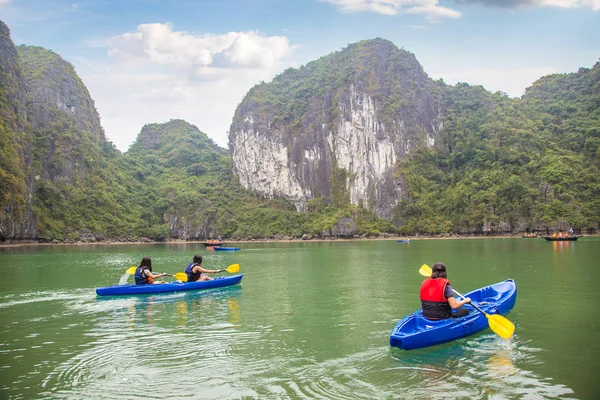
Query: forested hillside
x=184, y=184
x=510, y=164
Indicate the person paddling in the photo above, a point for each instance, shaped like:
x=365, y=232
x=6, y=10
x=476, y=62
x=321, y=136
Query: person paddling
x=143, y=273
x=437, y=299
x=195, y=272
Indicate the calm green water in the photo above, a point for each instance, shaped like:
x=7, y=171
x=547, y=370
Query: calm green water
x=310, y=320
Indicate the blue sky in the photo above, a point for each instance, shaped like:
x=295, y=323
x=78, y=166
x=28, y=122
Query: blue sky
x=152, y=60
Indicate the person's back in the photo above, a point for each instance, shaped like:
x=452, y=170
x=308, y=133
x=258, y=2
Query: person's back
x=141, y=272
x=437, y=298
x=192, y=276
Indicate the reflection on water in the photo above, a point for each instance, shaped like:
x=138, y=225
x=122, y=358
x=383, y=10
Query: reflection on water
x=560, y=246
x=142, y=341
x=484, y=366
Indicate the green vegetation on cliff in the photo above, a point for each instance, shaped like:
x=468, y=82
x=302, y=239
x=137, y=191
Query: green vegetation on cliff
x=522, y=163
x=78, y=187
x=15, y=140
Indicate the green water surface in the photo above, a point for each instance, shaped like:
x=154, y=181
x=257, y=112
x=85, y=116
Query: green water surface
x=310, y=320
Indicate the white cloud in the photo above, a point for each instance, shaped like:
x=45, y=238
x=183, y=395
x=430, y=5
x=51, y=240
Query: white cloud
x=156, y=74
x=432, y=10
x=158, y=43
x=593, y=4
x=428, y=8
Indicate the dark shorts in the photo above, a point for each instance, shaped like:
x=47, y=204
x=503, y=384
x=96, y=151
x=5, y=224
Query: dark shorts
x=461, y=312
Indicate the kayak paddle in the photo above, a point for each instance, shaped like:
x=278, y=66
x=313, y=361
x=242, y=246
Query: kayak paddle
x=182, y=276
x=498, y=323
x=131, y=270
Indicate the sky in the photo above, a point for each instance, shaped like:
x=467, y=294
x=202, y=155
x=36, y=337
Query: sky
x=146, y=61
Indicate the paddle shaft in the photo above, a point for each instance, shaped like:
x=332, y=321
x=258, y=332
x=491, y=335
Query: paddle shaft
x=471, y=303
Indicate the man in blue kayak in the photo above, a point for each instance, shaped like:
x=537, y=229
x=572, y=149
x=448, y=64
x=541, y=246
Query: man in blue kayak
x=437, y=298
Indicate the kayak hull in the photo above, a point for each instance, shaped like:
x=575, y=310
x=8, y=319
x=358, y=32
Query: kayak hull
x=132, y=289
x=226, y=248
x=415, y=331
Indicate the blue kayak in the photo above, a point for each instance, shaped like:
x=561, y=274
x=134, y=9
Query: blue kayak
x=404, y=240
x=415, y=331
x=120, y=290
x=226, y=248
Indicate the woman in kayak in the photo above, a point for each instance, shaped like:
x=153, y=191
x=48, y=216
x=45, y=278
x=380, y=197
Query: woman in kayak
x=143, y=273
x=195, y=272
x=437, y=298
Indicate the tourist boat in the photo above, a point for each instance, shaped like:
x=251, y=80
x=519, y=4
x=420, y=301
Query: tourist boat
x=214, y=243
x=415, y=331
x=404, y=240
x=133, y=289
x=561, y=239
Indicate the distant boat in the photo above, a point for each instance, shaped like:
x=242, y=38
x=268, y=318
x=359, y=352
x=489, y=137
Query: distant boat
x=561, y=239
x=227, y=248
x=214, y=243
x=529, y=237
x=404, y=240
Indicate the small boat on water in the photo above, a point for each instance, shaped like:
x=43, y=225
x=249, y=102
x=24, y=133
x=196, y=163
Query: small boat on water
x=404, y=240
x=561, y=239
x=221, y=248
x=529, y=237
x=132, y=289
x=415, y=331
x=214, y=243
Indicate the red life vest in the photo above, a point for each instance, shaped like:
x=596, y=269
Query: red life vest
x=433, y=290
x=433, y=302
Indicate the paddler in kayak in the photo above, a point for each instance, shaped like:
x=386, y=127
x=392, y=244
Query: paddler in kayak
x=143, y=273
x=195, y=272
x=437, y=299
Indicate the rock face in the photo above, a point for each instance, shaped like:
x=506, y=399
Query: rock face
x=61, y=112
x=57, y=170
x=16, y=175
x=351, y=115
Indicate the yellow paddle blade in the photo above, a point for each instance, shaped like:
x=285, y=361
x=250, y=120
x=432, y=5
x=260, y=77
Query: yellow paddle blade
x=425, y=270
x=501, y=325
x=181, y=276
x=131, y=270
x=233, y=268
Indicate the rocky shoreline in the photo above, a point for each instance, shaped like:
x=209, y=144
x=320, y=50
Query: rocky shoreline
x=281, y=239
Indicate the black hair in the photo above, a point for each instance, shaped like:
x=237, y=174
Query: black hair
x=198, y=259
x=439, y=271
x=146, y=262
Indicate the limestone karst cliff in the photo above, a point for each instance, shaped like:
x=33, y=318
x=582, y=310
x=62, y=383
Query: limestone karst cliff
x=337, y=125
x=16, y=177
x=61, y=173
